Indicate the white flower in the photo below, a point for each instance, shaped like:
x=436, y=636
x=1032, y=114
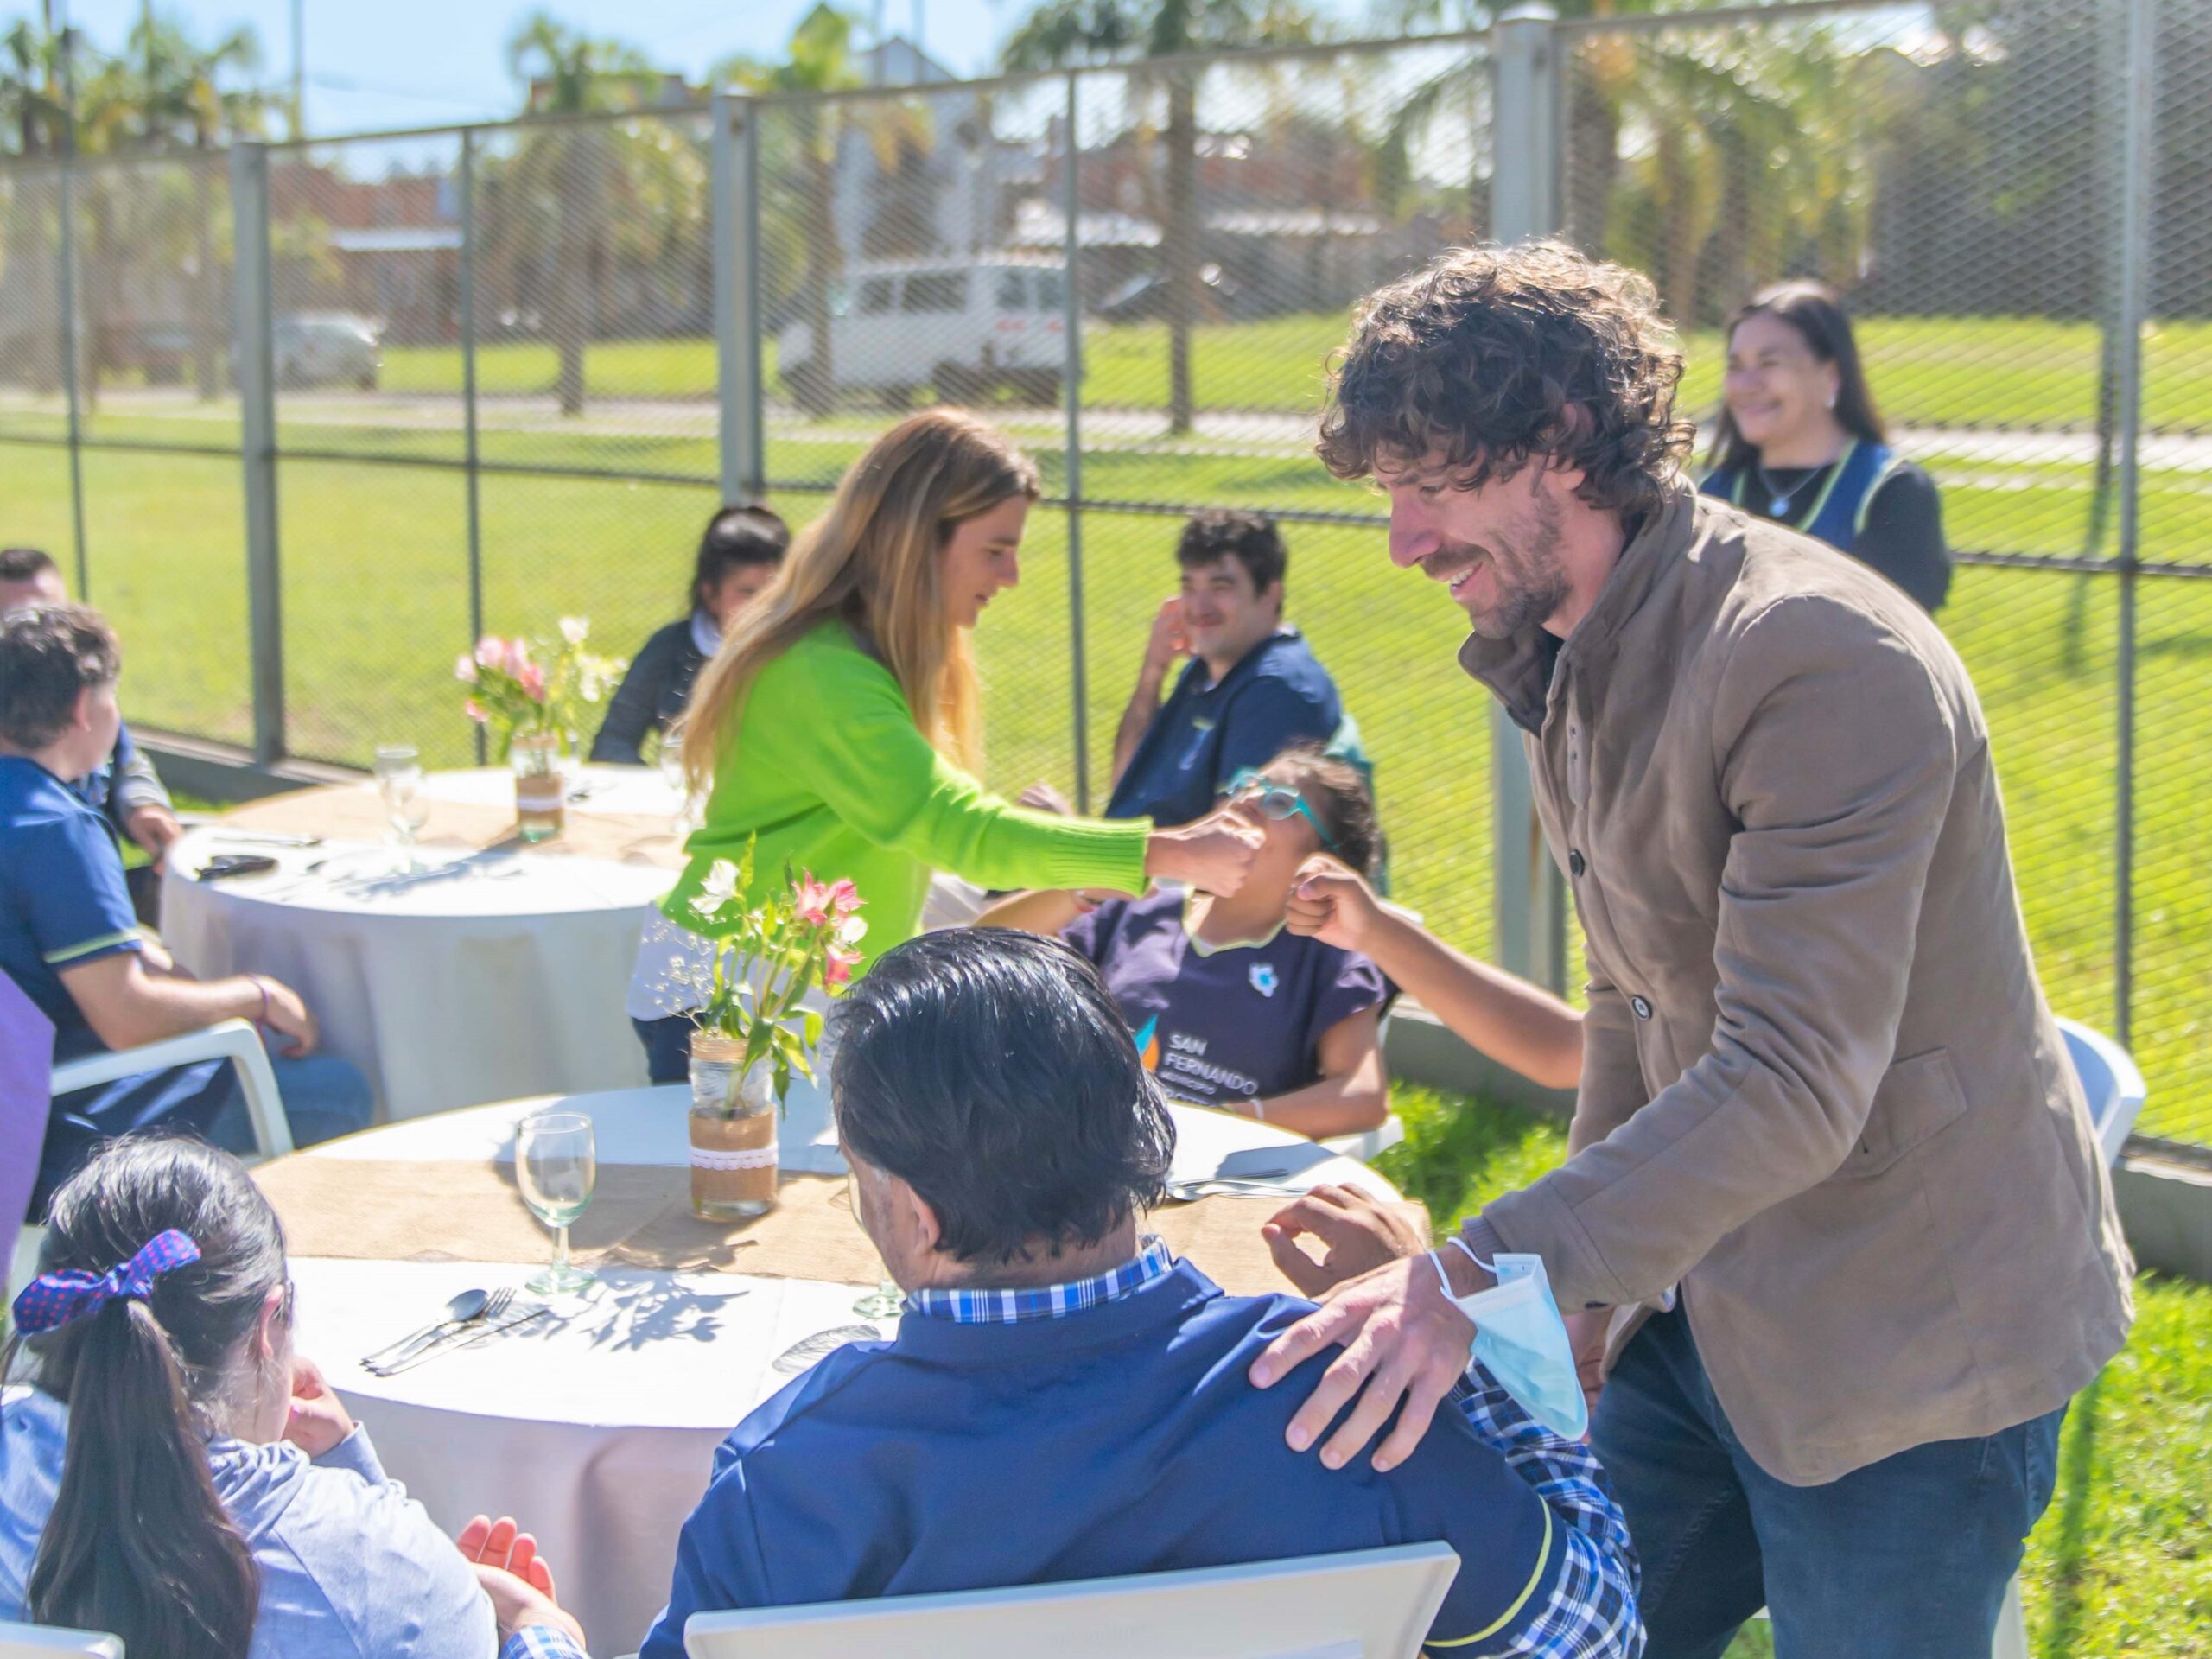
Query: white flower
x=573, y=628
x=852, y=930
x=719, y=887
x=465, y=669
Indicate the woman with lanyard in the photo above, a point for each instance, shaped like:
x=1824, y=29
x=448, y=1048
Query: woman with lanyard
x=836, y=726
x=1799, y=442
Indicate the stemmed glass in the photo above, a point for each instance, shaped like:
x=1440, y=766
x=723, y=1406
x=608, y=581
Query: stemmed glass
x=671, y=773
x=556, y=1166
x=399, y=780
x=887, y=1300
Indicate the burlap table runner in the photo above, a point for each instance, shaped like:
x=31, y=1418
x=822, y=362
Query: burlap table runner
x=354, y=812
x=361, y=1209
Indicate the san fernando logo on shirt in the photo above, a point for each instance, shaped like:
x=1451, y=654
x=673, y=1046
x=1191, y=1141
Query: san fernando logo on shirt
x=1147, y=1042
x=1263, y=978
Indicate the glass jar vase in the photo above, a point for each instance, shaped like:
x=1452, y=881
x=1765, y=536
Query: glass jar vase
x=734, y=1116
x=540, y=789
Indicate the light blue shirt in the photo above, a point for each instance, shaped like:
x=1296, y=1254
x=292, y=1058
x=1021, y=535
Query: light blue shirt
x=351, y=1567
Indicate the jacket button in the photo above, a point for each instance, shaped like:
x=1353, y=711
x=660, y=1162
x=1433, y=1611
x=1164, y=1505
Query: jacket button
x=1642, y=1007
x=1575, y=865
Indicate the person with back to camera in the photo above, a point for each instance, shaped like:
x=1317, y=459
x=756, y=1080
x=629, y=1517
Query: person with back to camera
x=837, y=731
x=1801, y=442
x=739, y=552
x=174, y=1473
x=1065, y=1400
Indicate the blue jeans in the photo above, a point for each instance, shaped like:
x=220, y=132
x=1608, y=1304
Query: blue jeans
x=1907, y=1558
x=668, y=1047
x=324, y=1097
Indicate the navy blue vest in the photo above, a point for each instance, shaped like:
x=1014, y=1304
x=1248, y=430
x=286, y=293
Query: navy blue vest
x=1838, y=512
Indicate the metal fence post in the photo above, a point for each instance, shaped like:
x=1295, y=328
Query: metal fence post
x=258, y=443
x=71, y=357
x=2136, y=161
x=1529, y=898
x=470, y=475
x=736, y=221
x=1071, y=399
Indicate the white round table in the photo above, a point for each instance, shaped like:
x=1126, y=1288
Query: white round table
x=491, y=968
x=596, y=1429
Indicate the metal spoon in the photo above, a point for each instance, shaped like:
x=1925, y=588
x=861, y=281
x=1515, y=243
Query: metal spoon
x=465, y=1305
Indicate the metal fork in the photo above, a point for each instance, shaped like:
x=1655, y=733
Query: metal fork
x=495, y=1305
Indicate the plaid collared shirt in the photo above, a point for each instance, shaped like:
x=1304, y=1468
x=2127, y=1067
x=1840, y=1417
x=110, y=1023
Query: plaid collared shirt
x=1590, y=1613
x=1018, y=1306
x=540, y=1642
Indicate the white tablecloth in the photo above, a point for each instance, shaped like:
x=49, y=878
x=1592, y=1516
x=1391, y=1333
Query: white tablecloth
x=598, y=1432
x=486, y=973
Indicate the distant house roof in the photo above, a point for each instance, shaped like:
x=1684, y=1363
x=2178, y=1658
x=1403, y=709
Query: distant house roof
x=397, y=238
x=1039, y=224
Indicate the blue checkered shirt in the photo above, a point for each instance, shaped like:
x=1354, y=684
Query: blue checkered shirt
x=1018, y=1306
x=1590, y=1613
x=541, y=1642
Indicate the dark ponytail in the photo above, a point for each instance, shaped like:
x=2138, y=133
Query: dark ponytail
x=139, y=1543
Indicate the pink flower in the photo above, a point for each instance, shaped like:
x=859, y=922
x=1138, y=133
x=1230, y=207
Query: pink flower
x=474, y=710
x=533, y=681
x=844, y=898
x=813, y=901
x=517, y=656
x=838, y=965
x=464, y=668
x=491, y=652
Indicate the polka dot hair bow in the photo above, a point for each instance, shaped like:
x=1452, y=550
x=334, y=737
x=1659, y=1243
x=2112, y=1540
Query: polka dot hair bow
x=53, y=1299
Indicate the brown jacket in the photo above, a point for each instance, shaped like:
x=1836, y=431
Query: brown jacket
x=1821, y=1090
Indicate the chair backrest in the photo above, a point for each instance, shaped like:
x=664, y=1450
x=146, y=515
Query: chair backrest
x=26, y=1099
x=2110, y=1079
x=1368, y=1604
x=35, y=1642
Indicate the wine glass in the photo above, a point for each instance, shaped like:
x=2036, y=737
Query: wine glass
x=399, y=780
x=556, y=1165
x=887, y=1300
x=671, y=773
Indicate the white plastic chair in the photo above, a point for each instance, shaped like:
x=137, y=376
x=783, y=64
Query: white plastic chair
x=2109, y=1078
x=2116, y=1091
x=35, y=1642
x=235, y=1040
x=1368, y=1604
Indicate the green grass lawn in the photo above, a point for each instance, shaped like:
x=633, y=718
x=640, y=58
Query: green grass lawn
x=1927, y=371
x=2120, y=1563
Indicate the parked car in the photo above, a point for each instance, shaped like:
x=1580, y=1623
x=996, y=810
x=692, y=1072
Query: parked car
x=965, y=329
x=1143, y=298
x=325, y=348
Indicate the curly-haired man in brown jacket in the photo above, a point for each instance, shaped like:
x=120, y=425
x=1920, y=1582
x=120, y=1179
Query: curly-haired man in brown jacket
x=1827, y=1142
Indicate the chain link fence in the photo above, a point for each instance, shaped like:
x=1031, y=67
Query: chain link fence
x=515, y=367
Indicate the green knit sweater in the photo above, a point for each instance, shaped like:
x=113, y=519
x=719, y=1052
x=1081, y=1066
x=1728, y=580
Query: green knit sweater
x=830, y=772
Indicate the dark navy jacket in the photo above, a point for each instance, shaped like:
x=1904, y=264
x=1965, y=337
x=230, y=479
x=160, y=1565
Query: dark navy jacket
x=1122, y=1439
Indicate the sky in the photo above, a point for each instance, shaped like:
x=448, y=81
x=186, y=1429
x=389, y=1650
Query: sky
x=372, y=65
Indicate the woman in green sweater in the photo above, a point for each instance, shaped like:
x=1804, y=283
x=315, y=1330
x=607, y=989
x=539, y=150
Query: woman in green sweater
x=836, y=728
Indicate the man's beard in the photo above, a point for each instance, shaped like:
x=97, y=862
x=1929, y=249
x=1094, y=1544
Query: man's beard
x=1531, y=581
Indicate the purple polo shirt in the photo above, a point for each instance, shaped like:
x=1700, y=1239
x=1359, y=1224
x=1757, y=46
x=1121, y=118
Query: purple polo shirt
x=1242, y=1023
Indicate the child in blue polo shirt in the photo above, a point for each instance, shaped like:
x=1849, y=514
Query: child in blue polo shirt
x=69, y=938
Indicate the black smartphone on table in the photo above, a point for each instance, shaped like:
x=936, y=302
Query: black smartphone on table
x=229, y=864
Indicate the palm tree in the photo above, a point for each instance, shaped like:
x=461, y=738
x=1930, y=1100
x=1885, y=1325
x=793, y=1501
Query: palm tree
x=798, y=163
x=1061, y=33
x=188, y=95
x=561, y=181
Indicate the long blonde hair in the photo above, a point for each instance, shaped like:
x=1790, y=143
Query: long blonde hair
x=871, y=560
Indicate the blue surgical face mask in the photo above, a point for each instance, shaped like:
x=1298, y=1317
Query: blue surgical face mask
x=1521, y=1339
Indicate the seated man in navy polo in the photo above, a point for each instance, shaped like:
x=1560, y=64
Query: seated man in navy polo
x=124, y=788
x=1065, y=1400
x=70, y=942
x=1252, y=688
